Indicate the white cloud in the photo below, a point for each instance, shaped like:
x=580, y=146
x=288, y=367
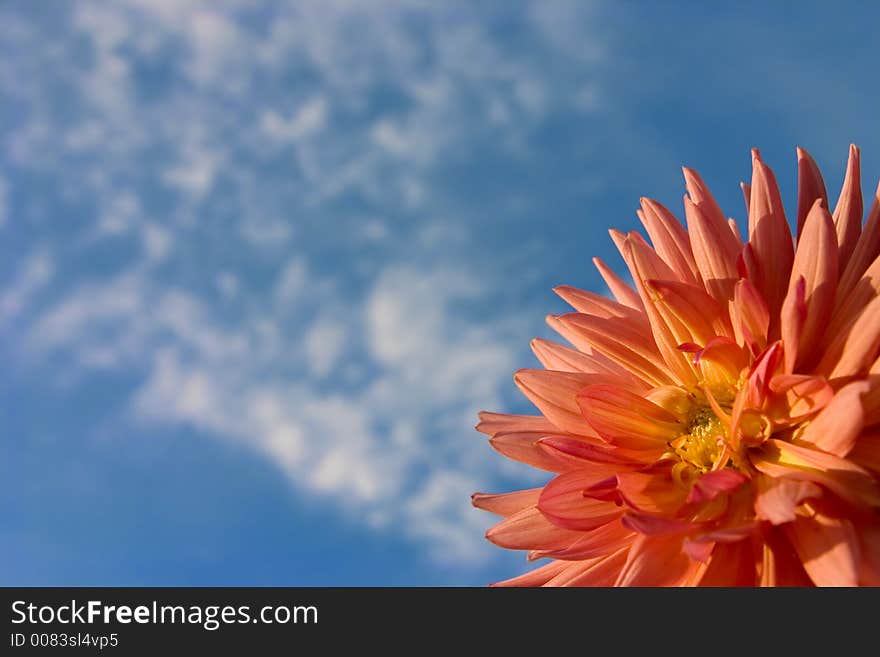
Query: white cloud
x=308, y=120
x=34, y=274
x=323, y=344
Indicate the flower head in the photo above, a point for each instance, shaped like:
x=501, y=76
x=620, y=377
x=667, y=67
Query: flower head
x=718, y=422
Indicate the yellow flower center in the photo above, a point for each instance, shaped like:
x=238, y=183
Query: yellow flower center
x=700, y=448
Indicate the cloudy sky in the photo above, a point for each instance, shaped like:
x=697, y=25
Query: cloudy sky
x=261, y=263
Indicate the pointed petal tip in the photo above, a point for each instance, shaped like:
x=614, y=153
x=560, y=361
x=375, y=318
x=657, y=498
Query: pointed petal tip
x=756, y=155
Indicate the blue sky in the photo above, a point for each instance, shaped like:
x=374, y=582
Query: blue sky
x=261, y=263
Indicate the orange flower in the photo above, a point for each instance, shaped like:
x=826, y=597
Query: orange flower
x=718, y=425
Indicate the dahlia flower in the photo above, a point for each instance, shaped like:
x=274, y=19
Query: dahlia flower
x=718, y=422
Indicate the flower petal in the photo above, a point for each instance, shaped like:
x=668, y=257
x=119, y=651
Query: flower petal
x=866, y=452
x=849, y=208
x=692, y=307
x=655, y=561
x=769, y=236
x=814, y=268
x=603, y=571
x=811, y=187
x=555, y=394
x=621, y=291
x=598, y=542
x=781, y=565
x=837, y=427
x=506, y=504
x=715, y=248
x=536, y=577
x=563, y=503
x=731, y=564
x=564, y=359
x=866, y=250
x=668, y=332
x=523, y=446
x=670, y=240
x=828, y=547
x=580, y=454
x=627, y=420
x=530, y=530
x=628, y=347
x=598, y=305
x=750, y=317
x=710, y=485
x=778, y=458
x=852, y=352
x=777, y=499
x=492, y=423
x=652, y=493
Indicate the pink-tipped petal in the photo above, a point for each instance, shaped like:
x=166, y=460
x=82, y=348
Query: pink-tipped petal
x=849, y=208
x=769, y=236
x=811, y=186
x=563, y=503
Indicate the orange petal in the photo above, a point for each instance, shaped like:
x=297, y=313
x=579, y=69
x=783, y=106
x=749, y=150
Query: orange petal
x=710, y=485
x=837, y=427
x=530, y=530
x=795, y=397
x=652, y=493
x=811, y=186
x=828, y=547
x=777, y=499
x=866, y=250
x=555, y=394
x=769, y=236
x=602, y=571
x=564, y=359
x=778, y=458
x=813, y=283
x=621, y=291
x=731, y=564
x=866, y=452
x=595, y=304
x=781, y=565
x=750, y=317
x=627, y=420
x=689, y=305
x=715, y=250
x=523, y=446
x=847, y=308
x=617, y=341
x=536, y=577
x=849, y=208
x=852, y=353
x=670, y=240
x=506, y=504
x=655, y=561
x=563, y=503
x=668, y=332
x=702, y=198
x=581, y=455
x=599, y=542
x=492, y=423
